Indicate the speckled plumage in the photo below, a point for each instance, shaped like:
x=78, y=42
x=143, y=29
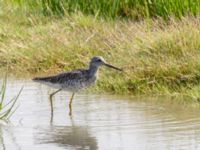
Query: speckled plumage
x=75, y=80
x=70, y=81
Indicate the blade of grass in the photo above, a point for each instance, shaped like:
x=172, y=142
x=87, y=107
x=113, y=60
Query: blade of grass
x=13, y=104
x=3, y=91
x=6, y=110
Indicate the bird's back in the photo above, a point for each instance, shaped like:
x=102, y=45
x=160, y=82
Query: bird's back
x=70, y=81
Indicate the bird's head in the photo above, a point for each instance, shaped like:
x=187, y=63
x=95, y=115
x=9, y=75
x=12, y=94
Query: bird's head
x=98, y=61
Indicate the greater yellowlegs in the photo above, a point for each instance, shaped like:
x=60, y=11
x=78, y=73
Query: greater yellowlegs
x=75, y=80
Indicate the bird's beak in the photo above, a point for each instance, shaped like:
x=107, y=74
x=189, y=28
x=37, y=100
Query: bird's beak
x=111, y=66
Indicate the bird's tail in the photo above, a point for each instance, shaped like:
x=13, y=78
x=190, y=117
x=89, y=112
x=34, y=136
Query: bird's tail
x=36, y=79
x=39, y=79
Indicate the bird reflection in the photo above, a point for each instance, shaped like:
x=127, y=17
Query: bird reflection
x=77, y=137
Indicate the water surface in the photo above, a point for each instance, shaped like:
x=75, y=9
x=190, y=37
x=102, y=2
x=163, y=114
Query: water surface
x=102, y=122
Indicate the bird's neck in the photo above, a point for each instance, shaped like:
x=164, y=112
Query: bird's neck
x=93, y=70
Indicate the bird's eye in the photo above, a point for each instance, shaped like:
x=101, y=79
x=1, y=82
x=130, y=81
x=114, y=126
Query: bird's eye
x=99, y=60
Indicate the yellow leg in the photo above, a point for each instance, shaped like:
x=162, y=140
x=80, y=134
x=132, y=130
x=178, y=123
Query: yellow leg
x=70, y=104
x=51, y=102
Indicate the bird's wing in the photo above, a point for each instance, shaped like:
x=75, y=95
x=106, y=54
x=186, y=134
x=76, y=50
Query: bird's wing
x=63, y=77
x=73, y=75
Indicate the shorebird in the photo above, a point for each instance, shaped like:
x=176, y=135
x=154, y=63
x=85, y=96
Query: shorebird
x=75, y=80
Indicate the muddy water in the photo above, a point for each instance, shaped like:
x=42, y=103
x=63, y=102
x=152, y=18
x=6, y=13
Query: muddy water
x=102, y=122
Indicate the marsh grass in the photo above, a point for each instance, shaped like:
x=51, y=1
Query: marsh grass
x=158, y=57
x=111, y=9
x=7, y=108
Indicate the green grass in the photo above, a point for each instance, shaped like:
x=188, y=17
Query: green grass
x=136, y=9
x=158, y=57
x=7, y=108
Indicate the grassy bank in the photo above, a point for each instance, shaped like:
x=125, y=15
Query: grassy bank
x=158, y=57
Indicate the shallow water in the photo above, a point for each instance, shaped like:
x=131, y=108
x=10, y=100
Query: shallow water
x=102, y=122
